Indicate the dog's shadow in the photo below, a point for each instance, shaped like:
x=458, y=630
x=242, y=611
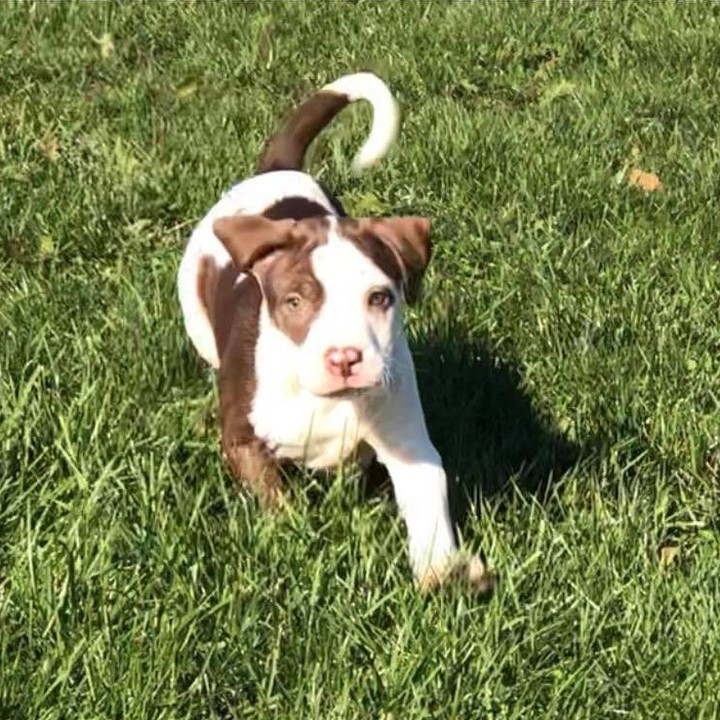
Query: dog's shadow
x=484, y=425
x=482, y=422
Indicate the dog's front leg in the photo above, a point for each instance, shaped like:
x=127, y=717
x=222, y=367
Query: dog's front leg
x=421, y=492
x=420, y=487
x=400, y=438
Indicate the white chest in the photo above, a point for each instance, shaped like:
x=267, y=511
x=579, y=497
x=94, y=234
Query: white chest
x=318, y=432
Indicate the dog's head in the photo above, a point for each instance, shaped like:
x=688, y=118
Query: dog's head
x=333, y=288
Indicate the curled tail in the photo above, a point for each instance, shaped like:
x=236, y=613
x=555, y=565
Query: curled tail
x=285, y=150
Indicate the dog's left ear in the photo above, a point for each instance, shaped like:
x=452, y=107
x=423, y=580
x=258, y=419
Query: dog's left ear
x=409, y=239
x=249, y=238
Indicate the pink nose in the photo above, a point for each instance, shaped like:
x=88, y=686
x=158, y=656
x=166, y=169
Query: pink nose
x=339, y=361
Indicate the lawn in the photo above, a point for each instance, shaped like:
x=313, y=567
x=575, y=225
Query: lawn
x=567, y=347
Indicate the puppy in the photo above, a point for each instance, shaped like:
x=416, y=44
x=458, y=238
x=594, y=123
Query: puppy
x=299, y=309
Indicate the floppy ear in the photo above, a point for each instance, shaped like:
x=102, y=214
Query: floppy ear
x=248, y=238
x=409, y=239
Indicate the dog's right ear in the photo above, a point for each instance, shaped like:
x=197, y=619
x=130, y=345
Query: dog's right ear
x=249, y=238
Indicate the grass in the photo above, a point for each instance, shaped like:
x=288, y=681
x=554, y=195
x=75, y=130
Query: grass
x=568, y=351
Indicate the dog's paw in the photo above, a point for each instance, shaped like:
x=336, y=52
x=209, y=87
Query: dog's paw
x=432, y=578
x=255, y=468
x=272, y=498
x=471, y=573
x=478, y=577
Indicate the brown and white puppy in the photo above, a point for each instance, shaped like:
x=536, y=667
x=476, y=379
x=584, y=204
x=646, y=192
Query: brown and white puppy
x=299, y=308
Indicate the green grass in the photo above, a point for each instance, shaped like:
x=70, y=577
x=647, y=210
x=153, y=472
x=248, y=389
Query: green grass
x=568, y=351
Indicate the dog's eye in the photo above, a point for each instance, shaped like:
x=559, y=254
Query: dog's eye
x=292, y=301
x=382, y=299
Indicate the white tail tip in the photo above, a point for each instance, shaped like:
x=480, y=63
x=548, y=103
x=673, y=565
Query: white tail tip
x=386, y=115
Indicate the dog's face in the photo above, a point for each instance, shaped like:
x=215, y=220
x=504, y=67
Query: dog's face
x=333, y=290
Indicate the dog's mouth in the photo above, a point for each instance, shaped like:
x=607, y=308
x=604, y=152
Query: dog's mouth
x=352, y=391
x=349, y=392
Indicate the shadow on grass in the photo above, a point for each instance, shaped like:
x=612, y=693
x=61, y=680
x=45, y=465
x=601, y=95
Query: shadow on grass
x=483, y=424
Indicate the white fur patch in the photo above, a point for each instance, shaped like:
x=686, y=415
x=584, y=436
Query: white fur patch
x=295, y=423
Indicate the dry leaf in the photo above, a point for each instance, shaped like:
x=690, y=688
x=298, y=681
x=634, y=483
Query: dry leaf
x=47, y=246
x=668, y=554
x=107, y=46
x=557, y=90
x=186, y=90
x=649, y=182
x=50, y=148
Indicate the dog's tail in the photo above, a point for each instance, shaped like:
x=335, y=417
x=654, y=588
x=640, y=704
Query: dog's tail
x=285, y=150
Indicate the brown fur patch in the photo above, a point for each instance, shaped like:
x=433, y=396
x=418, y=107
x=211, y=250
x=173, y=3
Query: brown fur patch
x=240, y=328
x=249, y=238
x=234, y=312
x=291, y=280
x=207, y=279
x=293, y=293
x=286, y=149
x=295, y=207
